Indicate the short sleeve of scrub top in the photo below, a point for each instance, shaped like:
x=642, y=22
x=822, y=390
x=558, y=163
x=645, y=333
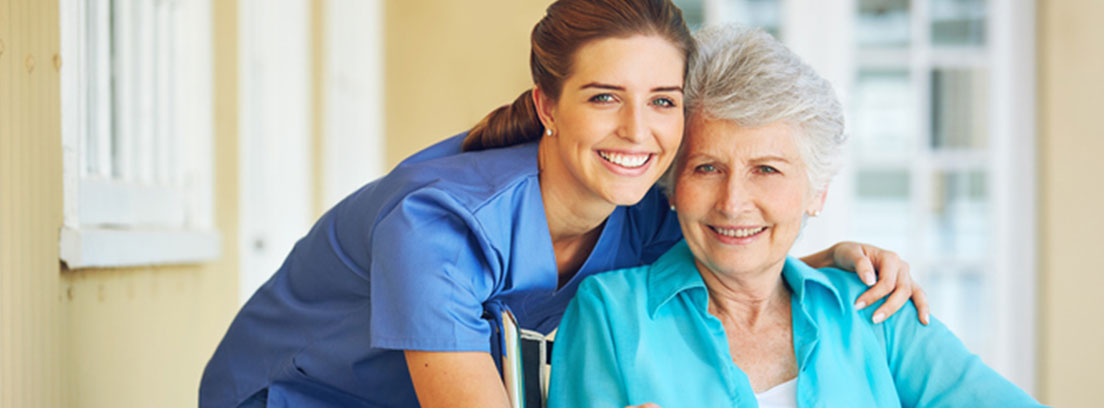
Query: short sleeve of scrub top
x=429, y=277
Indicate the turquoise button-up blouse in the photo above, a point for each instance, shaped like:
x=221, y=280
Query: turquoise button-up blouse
x=644, y=335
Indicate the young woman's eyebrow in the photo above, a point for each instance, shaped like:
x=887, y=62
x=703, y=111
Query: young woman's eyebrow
x=599, y=85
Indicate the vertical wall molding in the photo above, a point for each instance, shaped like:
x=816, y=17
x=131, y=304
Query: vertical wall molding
x=318, y=105
x=349, y=82
x=31, y=351
x=1071, y=328
x=277, y=150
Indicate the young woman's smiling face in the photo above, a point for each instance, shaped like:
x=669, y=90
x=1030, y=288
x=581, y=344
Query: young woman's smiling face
x=618, y=120
x=741, y=194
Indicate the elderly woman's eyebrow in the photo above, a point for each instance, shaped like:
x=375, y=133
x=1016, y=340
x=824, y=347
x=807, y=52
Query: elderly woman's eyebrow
x=771, y=158
x=700, y=155
x=600, y=85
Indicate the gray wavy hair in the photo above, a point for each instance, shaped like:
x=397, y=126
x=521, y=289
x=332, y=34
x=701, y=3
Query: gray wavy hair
x=745, y=76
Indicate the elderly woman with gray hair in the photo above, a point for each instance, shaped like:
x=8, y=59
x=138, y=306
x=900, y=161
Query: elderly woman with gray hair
x=726, y=318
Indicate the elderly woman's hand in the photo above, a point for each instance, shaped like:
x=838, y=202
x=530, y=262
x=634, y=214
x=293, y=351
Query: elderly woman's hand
x=892, y=277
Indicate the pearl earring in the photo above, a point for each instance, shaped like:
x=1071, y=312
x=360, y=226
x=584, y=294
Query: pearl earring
x=548, y=132
x=672, y=207
x=814, y=213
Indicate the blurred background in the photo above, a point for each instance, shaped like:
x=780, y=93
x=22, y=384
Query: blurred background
x=158, y=158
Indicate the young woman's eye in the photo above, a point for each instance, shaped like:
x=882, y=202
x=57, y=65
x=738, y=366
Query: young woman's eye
x=602, y=98
x=664, y=102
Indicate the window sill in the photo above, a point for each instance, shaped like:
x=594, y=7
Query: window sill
x=102, y=247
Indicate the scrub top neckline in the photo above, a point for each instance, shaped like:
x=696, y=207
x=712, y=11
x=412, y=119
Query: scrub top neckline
x=586, y=262
x=600, y=245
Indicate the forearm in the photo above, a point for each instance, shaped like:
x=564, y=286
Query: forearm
x=821, y=259
x=456, y=379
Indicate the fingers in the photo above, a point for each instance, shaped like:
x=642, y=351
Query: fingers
x=897, y=299
x=865, y=269
x=846, y=254
x=852, y=256
x=890, y=268
x=920, y=299
x=647, y=405
x=894, y=280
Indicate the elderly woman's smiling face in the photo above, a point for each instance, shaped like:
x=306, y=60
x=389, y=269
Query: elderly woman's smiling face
x=741, y=194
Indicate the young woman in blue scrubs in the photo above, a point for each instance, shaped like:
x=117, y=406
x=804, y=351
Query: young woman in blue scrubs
x=381, y=303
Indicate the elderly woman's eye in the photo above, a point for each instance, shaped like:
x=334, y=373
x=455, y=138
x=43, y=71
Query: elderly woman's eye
x=705, y=168
x=602, y=98
x=767, y=170
x=664, y=102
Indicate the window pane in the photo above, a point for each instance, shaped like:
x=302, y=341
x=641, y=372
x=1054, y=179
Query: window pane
x=883, y=185
x=885, y=117
x=958, y=22
x=960, y=108
x=693, y=11
x=881, y=210
x=883, y=23
x=765, y=14
x=959, y=298
x=959, y=216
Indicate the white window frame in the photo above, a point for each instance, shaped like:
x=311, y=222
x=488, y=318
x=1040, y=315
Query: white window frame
x=137, y=133
x=1008, y=163
x=275, y=145
x=353, y=145
x=822, y=33
x=1012, y=97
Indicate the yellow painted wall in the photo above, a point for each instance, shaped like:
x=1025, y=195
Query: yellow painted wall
x=318, y=102
x=98, y=338
x=449, y=63
x=1071, y=163
x=32, y=338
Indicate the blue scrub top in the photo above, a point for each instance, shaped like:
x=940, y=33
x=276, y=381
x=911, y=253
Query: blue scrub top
x=408, y=262
x=646, y=335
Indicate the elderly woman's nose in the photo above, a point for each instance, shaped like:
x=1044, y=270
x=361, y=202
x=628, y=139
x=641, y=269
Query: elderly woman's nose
x=632, y=126
x=733, y=197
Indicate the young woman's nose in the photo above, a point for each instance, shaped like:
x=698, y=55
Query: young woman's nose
x=632, y=126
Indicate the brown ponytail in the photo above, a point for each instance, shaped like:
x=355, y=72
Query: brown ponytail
x=568, y=25
x=508, y=125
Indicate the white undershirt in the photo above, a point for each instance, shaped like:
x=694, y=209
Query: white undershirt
x=780, y=396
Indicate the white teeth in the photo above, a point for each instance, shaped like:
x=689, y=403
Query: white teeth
x=738, y=232
x=625, y=160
